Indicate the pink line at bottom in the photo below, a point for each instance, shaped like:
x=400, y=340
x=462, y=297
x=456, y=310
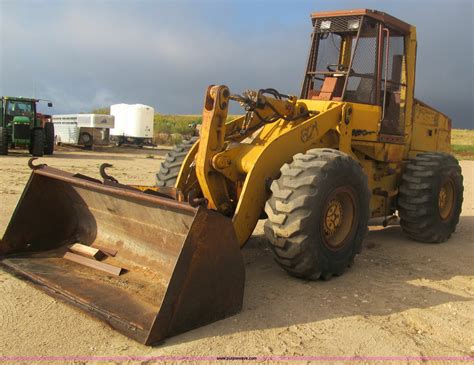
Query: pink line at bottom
x=241, y=358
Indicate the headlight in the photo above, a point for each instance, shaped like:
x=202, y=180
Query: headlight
x=325, y=25
x=353, y=24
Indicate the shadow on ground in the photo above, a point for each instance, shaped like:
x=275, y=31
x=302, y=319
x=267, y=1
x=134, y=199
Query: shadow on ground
x=381, y=282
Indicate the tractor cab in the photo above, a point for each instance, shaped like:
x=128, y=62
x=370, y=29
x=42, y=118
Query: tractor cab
x=360, y=57
x=22, y=107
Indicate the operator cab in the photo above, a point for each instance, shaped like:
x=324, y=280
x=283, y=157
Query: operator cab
x=25, y=108
x=360, y=57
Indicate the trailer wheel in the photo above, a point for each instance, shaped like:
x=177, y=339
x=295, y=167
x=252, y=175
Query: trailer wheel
x=86, y=139
x=318, y=214
x=431, y=196
x=49, y=138
x=37, y=142
x=170, y=167
x=3, y=141
x=118, y=141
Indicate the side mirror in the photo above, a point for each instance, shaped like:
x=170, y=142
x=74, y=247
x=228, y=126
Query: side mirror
x=50, y=104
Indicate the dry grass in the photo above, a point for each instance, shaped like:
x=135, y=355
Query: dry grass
x=172, y=123
x=462, y=137
x=176, y=126
x=462, y=141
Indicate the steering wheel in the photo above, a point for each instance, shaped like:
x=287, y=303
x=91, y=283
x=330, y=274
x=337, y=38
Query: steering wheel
x=336, y=67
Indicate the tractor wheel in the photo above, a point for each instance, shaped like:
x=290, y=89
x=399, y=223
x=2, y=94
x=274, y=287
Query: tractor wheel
x=318, y=214
x=49, y=138
x=169, y=169
x=3, y=141
x=37, y=142
x=431, y=196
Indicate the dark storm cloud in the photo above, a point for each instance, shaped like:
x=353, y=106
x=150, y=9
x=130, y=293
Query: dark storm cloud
x=95, y=53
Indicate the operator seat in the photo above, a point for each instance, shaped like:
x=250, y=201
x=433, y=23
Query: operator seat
x=330, y=90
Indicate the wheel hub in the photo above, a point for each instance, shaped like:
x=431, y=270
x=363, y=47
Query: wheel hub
x=443, y=197
x=338, y=218
x=446, y=199
x=333, y=218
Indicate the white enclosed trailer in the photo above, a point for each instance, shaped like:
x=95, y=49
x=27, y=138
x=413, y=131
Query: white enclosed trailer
x=133, y=123
x=85, y=129
x=120, y=113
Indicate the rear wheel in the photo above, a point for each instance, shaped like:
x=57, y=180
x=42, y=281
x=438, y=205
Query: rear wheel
x=3, y=141
x=318, y=214
x=170, y=167
x=431, y=196
x=37, y=142
x=49, y=138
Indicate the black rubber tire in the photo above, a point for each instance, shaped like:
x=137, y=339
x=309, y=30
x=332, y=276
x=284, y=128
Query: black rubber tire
x=49, y=138
x=117, y=141
x=37, y=142
x=295, y=210
x=86, y=139
x=3, y=141
x=418, y=205
x=170, y=167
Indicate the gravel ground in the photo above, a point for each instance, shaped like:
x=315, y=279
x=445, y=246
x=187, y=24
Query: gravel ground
x=401, y=298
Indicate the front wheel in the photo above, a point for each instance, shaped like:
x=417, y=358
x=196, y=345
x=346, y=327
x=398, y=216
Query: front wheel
x=318, y=214
x=49, y=138
x=431, y=196
x=170, y=167
x=37, y=142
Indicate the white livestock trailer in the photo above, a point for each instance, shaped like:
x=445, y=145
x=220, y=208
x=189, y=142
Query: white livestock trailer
x=83, y=129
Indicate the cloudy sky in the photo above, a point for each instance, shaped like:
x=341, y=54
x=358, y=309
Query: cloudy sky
x=92, y=53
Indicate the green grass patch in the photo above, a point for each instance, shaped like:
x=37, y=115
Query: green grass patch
x=175, y=124
x=462, y=148
x=463, y=151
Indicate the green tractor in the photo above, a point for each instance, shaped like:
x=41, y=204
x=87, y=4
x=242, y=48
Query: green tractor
x=22, y=126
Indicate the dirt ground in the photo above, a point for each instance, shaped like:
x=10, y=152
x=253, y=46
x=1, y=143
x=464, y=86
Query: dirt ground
x=401, y=298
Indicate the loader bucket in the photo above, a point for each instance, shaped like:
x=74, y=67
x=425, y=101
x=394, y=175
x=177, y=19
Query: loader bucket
x=182, y=266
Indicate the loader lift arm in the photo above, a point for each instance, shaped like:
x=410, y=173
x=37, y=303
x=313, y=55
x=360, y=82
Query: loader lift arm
x=234, y=176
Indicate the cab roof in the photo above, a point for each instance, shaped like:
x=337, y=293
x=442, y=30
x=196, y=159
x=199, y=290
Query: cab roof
x=18, y=98
x=385, y=18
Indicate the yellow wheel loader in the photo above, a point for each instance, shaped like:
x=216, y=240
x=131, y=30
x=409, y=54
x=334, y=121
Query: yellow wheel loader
x=355, y=145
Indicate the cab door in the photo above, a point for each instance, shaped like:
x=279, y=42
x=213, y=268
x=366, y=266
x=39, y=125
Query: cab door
x=393, y=87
